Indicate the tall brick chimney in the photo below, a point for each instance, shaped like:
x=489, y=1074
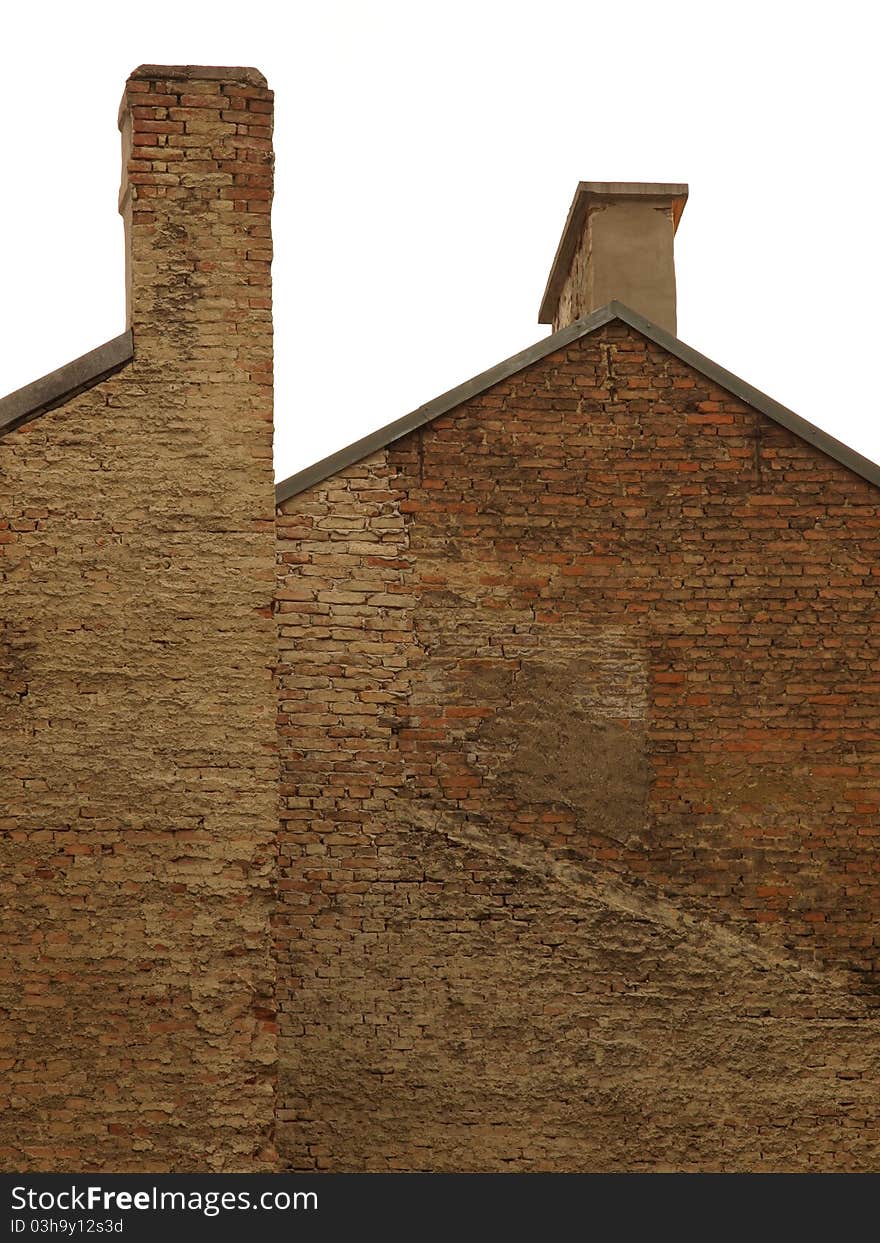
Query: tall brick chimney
x=617, y=244
x=193, y=731
x=196, y=196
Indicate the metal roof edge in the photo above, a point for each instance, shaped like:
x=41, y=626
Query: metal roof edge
x=752, y=396
x=54, y=389
x=384, y=436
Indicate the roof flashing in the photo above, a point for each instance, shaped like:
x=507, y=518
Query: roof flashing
x=59, y=386
x=582, y=327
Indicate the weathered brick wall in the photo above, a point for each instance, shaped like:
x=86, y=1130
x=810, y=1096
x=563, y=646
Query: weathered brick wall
x=138, y=767
x=579, y=704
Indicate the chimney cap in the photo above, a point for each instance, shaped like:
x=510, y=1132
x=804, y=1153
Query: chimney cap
x=587, y=194
x=245, y=74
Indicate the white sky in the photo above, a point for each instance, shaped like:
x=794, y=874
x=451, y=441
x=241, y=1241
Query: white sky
x=426, y=156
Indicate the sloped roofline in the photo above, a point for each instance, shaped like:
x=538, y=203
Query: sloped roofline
x=54, y=389
x=386, y=435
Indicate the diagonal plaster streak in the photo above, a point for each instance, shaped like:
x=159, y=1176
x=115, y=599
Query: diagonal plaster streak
x=585, y=889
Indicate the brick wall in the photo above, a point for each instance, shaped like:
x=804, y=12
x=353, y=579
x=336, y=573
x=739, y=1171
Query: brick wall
x=579, y=702
x=139, y=767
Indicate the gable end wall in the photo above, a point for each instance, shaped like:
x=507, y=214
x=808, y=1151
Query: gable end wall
x=590, y=659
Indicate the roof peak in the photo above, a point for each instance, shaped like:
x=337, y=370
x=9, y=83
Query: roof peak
x=384, y=436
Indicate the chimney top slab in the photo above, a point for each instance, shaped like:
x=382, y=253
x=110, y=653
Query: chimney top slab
x=200, y=73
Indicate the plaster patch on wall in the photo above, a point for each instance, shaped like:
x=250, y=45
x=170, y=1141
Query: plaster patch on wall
x=596, y=768
x=572, y=732
x=561, y=718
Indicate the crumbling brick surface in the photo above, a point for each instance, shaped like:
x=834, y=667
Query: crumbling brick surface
x=577, y=699
x=578, y=707
x=139, y=765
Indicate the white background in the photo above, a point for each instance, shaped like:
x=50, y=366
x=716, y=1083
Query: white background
x=426, y=159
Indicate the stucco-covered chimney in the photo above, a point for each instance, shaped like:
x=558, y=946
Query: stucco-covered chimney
x=617, y=244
